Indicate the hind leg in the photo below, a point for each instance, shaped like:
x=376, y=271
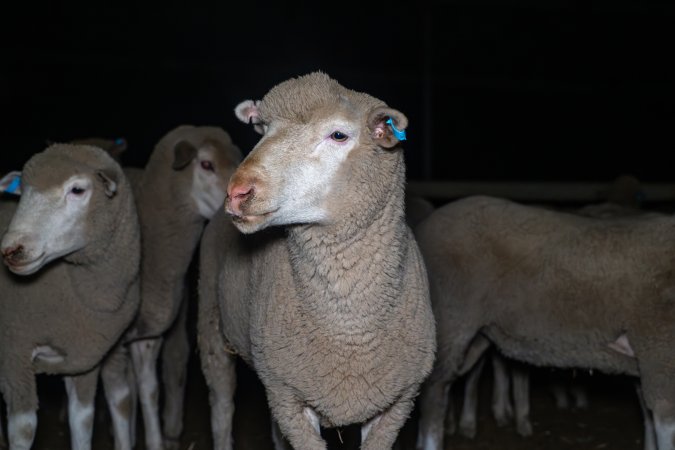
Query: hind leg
x=501, y=390
x=175, y=355
x=144, y=355
x=521, y=398
x=81, y=390
x=458, y=358
x=467, y=422
x=119, y=396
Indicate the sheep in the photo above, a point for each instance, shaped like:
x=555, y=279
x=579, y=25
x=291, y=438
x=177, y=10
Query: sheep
x=179, y=189
x=328, y=300
x=624, y=197
x=73, y=245
x=551, y=289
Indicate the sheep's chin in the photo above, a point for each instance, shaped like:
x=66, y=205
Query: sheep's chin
x=251, y=224
x=30, y=267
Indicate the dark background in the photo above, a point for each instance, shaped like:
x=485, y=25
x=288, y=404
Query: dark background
x=494, y=89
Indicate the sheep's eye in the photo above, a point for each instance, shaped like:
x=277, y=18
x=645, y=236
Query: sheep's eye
x=338, y=136
x=207, y=165
x=76, y=190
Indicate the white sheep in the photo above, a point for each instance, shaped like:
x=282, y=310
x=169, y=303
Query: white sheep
x=551, y=289
x=328, y=300
x=624, y=197
x=73, y=245
x=180, y=188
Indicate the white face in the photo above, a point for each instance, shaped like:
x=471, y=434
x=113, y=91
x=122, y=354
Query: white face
x=209, y=183
x=47, y=225
x=296, y=166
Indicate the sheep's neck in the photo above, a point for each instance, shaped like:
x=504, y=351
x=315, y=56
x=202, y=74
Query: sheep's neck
x=348, y=276
x=108, y=271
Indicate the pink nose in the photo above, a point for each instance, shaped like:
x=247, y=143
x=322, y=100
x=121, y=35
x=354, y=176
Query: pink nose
x=236, y=195
x=12, y=253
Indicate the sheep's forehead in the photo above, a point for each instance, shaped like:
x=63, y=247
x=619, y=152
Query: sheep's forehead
x=60, y=163
x=311, y=97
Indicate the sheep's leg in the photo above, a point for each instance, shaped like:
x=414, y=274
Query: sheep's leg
x=459, y=358
x=81, y=390
x=3, y=440
x=467, y=422
x=218, y=365
x=144, y=355
x=280, y=443
x=119, y=396
x=22, y=404
x=434, y=399
x=380, y=432
x=175, y=355
x=560, y=395
x=664, y=425
x=521, y=399
x=501, y=390
x=298, y=423
x=579, y=395
x=650, y=433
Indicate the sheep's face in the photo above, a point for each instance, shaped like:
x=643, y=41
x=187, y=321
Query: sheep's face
x=48, y=224
x=60, y=199
x=210, y=165
x=289, y=176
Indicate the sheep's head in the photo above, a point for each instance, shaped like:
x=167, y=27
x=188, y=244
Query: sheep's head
x=62, y=192
x=205, y=158
x=318, y=141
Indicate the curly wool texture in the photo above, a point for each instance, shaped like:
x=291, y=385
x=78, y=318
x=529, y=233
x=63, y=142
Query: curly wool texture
x=79, y=304
x=333, y=316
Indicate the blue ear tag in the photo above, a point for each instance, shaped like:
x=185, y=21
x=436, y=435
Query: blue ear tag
x=119, y=141
x=400, y=134
x=13, y=186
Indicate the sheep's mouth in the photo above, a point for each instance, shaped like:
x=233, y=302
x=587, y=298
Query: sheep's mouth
x=249, y=223
x=26, y=267
x=252, y=217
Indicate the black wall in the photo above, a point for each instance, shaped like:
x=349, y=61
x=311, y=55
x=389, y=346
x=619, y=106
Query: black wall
x=494, y=89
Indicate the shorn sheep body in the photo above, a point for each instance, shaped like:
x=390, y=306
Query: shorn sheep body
x=551, y=289
x=73, y=245
x=328, y=299
x=179, y=189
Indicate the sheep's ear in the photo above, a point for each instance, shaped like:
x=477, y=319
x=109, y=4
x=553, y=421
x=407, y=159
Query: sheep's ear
x=183, y=154
x=109, y=183
x=11, y=183
x=247, y=112
x=384, y=132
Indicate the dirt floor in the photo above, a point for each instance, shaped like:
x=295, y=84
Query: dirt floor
x=612, y=421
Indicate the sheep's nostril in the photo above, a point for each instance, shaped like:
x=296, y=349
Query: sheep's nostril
x=13, y=252
x=240, y=192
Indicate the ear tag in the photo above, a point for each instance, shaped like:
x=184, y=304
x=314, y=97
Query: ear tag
x=119, y=141
x=14, y=186
x=400, y=134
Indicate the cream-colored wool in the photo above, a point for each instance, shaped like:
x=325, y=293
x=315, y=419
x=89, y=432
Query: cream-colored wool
x=331, y=309
x=551, y=289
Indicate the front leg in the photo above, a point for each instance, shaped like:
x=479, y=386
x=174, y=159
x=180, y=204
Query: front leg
x=380, y=432
x=81, y=390
x=298, y=423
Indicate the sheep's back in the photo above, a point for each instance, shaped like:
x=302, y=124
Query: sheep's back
x=523, y=272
